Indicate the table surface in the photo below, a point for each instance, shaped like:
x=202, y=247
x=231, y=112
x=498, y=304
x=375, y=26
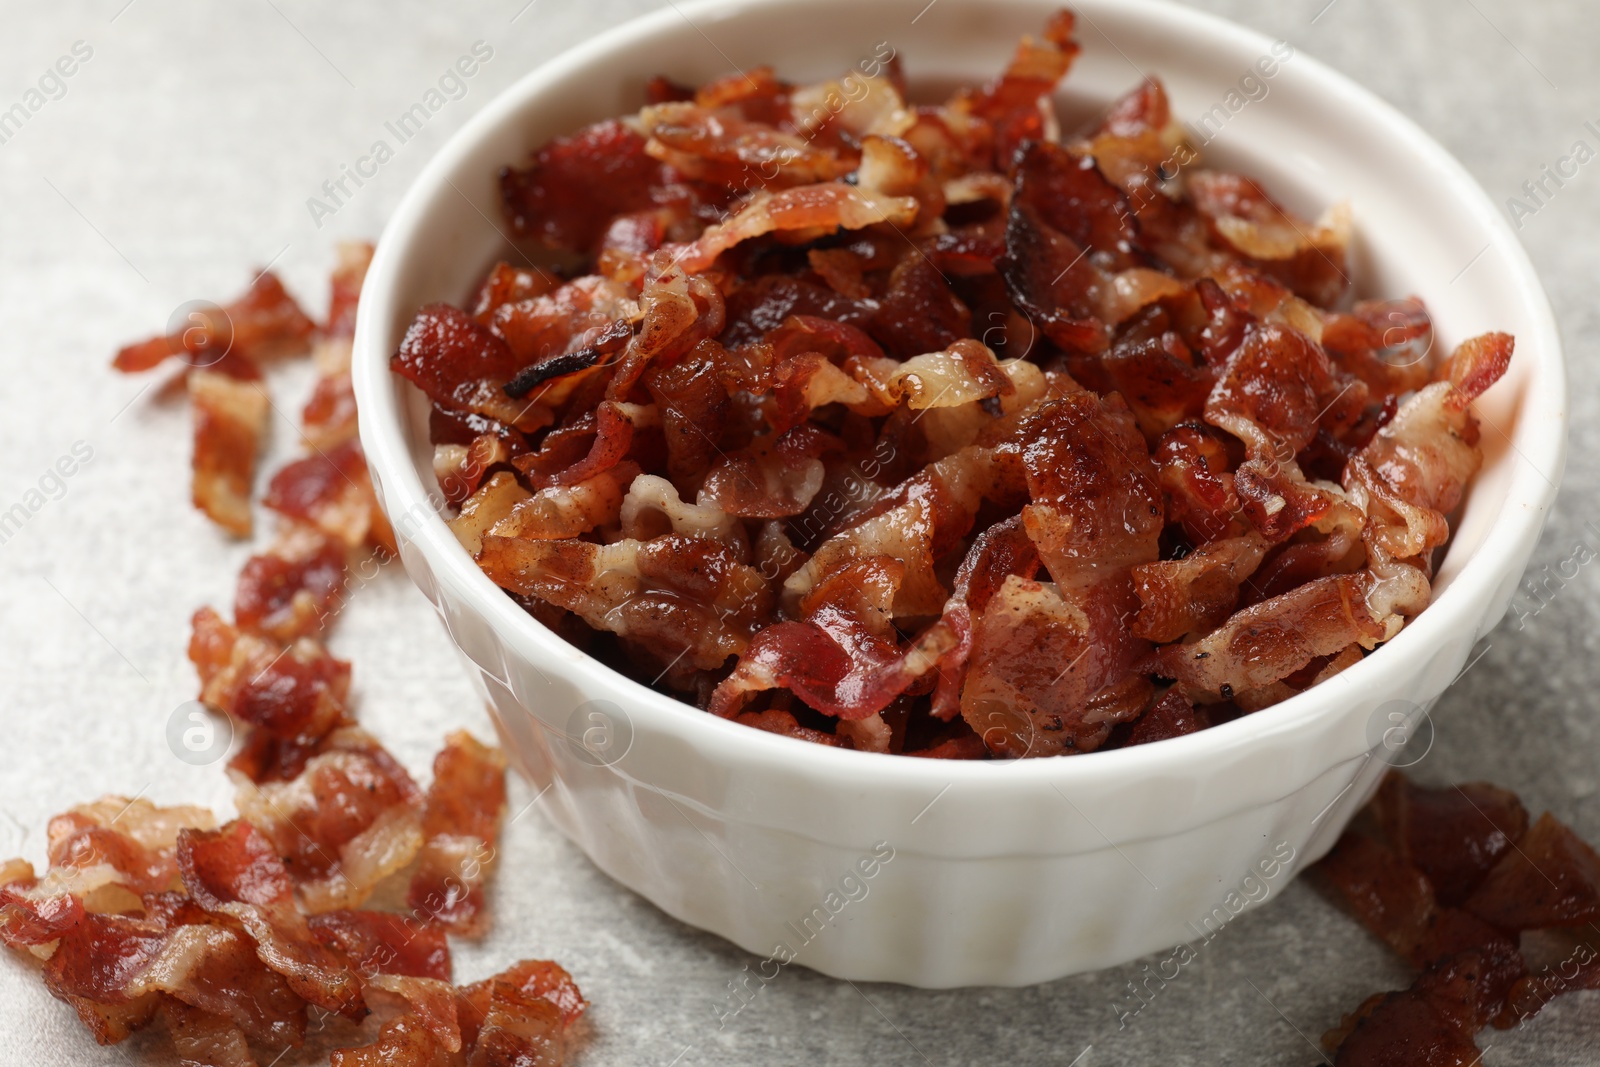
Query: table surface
x=183, y=151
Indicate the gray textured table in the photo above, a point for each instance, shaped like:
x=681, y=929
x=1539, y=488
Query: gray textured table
x=184, y=149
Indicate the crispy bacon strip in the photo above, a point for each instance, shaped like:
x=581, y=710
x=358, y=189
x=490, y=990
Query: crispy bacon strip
x=262, y=323
x=806, y=209
x=348, y=820
x=688, y=595
x=230, y=419
x=460, y=821
x=234, y=872
x=333, y=492
x=290, y=590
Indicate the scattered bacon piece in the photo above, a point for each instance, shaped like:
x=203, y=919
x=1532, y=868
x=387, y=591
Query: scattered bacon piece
x=263, y=323
x=348, y=820
x=230, y=419
x=333, y=492
x=226, y=936
x=460, y=821
x=379, y=942
x=234, y=872
x=1450, y=878
x=290, y=590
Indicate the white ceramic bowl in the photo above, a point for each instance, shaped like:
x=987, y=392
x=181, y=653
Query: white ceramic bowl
x=1001, y=873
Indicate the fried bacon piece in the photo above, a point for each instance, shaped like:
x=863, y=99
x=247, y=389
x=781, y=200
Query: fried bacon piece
x=290, y=590
x=1016, y=106
x=349, y=819
x=204, y=1039
x=848, y=416
x=299, y=694
x=222, y=348
x=520, y=1016
x=329, y=416
x=1450, y=878
x=230, y=419
x=211, y=966
x=464, y=367
x=1552, y=878
x=1454, y=835
x=460, y=821
x=1197, y=593
x=332, y=491
x=135, y=839
x=573, y=187
x=710, y=146
x=234, y=872
x=263, y=323
x=804, y=210
x=1308, y=258
x=1415, y=469
x=680, y=595
x=92, y=965
x=1273, y=639
x=377, y=942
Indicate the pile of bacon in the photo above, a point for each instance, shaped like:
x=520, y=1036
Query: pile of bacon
x=1458, y=883
x=232, y=936
x=927, y=429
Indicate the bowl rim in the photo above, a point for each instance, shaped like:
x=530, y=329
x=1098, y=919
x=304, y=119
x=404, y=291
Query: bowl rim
x=1540, y=442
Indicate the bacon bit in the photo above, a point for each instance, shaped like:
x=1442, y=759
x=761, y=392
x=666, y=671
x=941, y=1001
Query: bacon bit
x=574, y=185
x=1017, y=104
x=1270, y=640
x=234, y=872
x=263, y=323
x=507, y=284
x=214, y=968
x=460, y=363
x=821, y=209
x=348, y=820
x=289, y=591
x=230, y=419
x=149, y=913
x=332, y=491
x=1552, y=878
x=1195, y=594
x=1423, y=869
x=377, y=942
x=707, y=146
x=1309, y=258
x=202, y=1038
x=298, y=694
x=134, y=838
x=460, y=820
x=344, y=287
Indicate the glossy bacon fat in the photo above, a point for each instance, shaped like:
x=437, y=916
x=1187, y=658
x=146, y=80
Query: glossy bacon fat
x=928, y=427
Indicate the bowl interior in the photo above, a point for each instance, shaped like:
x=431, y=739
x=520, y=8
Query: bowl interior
x=1422, y=227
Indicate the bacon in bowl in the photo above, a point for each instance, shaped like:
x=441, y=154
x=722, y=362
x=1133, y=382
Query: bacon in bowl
x=931, y=429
